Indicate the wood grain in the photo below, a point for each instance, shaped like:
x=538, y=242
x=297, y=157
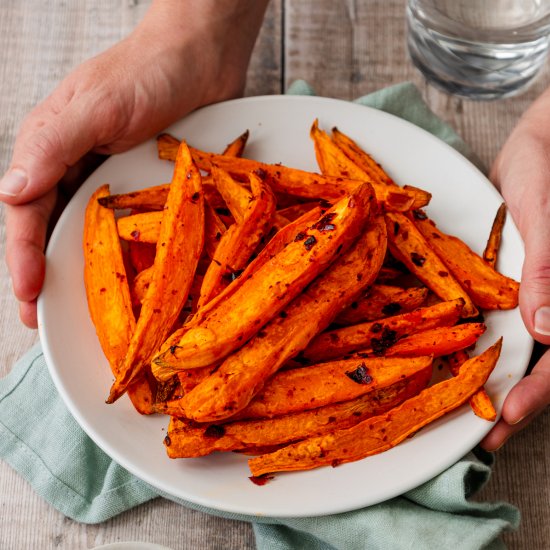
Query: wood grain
x=345, y=49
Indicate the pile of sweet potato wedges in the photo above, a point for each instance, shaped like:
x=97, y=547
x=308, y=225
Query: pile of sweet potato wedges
x=290, y=315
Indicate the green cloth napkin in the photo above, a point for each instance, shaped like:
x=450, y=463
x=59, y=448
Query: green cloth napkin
x=41, y=440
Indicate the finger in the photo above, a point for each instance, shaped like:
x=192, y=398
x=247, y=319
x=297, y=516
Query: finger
x=27, y=314
x=52, y=138
x=526, y=400
x=26, y=227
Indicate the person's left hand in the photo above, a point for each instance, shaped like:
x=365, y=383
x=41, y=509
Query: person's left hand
x=522, y=173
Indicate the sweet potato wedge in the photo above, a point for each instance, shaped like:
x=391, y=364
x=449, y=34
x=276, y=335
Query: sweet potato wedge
x=361, y=158
x=409, y=245
x=108, y=293
x=179, y=248
x=332, y=160
x=382, y=334
x=382, y=301
x=189, y=439
x=230, y=323
x=299, y=182
x=243, y=373
x=241, y=239
x=488, y=288
x=495, y=236
x=380, y=433
x=480, y=402
x=300, y=389
x=437, y=341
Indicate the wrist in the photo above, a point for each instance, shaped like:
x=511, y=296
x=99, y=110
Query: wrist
x=210, y=40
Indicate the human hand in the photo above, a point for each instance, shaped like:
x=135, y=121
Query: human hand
x=184, y=54
x=522, y=173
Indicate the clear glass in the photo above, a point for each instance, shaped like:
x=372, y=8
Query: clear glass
x=480, y=49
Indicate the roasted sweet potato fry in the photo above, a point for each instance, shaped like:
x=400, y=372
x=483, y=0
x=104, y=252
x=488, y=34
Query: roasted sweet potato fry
x=382, y=334
x=409, y=245
x=178, y=251
x=227, y=325
x=243, y=373
x=437, y=341
x=361, y=158
x=333, y=161
x=143, y=227
x=235, y=195
x=488, y=288
x=150, y=198
x=480, y=402
x=382, y=301
x=305, y=388
x=380, y=433
x=301, y=183
x=167, y=146
x=239, y=242
x=188, y=439
x=493, y=243
x=108, y=293
x=236, y=147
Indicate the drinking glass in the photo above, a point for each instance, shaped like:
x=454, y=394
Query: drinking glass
x=480, y=49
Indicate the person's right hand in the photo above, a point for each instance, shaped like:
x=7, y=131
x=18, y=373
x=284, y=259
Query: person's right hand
x=184, y=54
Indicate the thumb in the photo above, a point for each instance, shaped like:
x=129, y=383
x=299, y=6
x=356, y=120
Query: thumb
x=535, y=282
x=51, y=139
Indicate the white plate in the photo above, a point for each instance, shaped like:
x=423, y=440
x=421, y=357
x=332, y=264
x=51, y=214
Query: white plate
x=464, y=203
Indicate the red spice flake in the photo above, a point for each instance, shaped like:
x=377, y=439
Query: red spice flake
x=167, y=441
x=102, y=290
x=261, y=480
x=195, y=196
x=309, y=243
x=120, y=276
x=300, y=236
x=443, y=273
x=417, y=259
x=420, y=215
x=214, y=431
x=360, y=375
x=354, y=305
x=135, y=234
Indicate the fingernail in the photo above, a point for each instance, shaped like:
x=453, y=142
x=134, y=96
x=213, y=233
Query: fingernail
x=542, y=320
x=13, y=182
x=520, y=419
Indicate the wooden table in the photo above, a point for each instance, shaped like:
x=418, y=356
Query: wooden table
x=344, y=49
